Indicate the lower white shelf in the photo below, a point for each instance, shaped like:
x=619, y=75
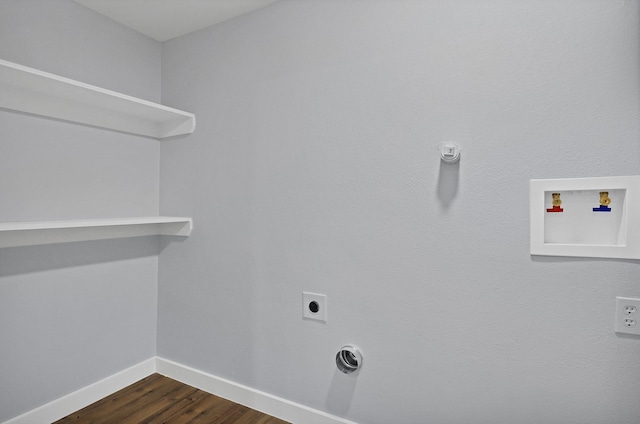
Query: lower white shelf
x=47, y=232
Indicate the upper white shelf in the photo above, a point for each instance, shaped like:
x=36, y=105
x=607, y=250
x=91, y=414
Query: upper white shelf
x=47, y=232
x=32, y=91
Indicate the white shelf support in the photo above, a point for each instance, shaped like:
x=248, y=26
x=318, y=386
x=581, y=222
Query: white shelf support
x=37, y=92
x=14, y=234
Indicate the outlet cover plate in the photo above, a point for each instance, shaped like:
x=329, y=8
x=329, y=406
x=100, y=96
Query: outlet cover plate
x=314, y=306
x=627, y=319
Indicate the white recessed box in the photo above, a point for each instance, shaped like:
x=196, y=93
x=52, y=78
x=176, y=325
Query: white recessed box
x=586, y=217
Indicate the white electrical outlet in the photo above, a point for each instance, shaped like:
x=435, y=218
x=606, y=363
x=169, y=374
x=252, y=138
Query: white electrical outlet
x=627, y=315
x=314, y=306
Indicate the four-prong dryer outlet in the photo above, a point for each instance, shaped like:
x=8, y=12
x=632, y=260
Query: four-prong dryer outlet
x=314, y=306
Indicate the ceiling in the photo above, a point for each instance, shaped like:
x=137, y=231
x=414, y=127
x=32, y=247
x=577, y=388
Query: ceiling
x=163, y=20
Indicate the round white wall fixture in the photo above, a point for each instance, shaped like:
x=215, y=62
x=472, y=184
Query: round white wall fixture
x=449, y=151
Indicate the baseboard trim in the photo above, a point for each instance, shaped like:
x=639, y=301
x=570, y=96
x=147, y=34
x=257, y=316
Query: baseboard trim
x=72, y=402
x=272, y=405
x=247, y=396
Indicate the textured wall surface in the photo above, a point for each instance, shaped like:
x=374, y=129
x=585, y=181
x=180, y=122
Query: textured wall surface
x=72, y=314
x=64, y=38
x=314, y=167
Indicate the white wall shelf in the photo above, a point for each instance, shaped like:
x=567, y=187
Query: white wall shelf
x=47, y=232
x=37, y=92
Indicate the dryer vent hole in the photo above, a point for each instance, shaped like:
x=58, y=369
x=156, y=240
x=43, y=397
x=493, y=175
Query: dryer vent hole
x=349, y=359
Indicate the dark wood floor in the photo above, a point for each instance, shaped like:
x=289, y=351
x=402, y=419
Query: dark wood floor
x=158, y=399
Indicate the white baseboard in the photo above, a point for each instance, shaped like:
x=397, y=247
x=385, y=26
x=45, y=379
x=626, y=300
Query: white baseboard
x=238, y=393
x=278, y=407
x=72, y=402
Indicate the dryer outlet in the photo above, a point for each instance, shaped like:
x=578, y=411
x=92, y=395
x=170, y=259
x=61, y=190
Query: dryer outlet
x=314, y=306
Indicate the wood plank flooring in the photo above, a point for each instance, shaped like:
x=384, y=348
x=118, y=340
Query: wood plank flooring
x=158, y=399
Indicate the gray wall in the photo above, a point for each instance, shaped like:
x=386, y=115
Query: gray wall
x=72, y=314
x=314, y=168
